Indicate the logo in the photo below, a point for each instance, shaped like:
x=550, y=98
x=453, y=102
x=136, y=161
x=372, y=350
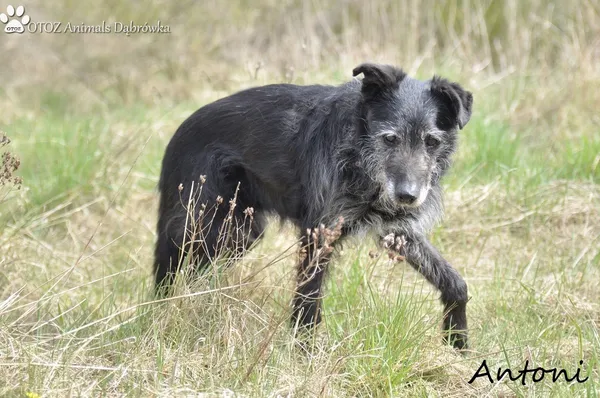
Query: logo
x=15, y=20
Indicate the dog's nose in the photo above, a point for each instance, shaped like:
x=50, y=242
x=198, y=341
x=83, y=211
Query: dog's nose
x=407, y=193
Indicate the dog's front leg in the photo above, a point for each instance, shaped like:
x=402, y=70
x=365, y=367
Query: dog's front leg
x=306, y=307
x=426, y=259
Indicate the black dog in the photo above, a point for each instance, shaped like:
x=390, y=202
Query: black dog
x=371, y=152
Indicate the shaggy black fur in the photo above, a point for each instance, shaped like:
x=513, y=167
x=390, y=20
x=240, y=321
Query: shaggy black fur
x=370, y=151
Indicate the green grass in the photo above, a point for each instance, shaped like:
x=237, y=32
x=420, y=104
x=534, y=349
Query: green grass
x=524, y=235
x=522, y=223
x=61, y=155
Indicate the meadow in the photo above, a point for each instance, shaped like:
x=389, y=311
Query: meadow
x=89, y=115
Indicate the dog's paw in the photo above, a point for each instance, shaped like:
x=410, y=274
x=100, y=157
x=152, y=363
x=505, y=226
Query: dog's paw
x=457, y=339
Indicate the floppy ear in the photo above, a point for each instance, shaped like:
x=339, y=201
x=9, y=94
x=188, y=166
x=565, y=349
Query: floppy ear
x=378, y=78
x=457, y=101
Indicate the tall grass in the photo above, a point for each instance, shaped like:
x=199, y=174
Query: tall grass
x=219, y=45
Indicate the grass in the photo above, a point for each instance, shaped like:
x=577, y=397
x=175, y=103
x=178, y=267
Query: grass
x=90, y=124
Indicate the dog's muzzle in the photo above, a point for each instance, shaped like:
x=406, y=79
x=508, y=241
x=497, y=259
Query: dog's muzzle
x=407, y=193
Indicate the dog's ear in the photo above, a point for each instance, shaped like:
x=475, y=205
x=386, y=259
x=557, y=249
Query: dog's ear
x=378, y=78
x=457, y=101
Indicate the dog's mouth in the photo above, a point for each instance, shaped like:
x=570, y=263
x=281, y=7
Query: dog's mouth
x=386, y=205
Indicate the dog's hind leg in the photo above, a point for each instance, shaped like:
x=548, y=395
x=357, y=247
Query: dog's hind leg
x=227, y=234
x=168, y=259
x=167, y=254
x=426, y=259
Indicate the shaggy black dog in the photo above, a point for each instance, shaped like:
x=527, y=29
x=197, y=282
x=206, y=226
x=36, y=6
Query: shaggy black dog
x=370, y=152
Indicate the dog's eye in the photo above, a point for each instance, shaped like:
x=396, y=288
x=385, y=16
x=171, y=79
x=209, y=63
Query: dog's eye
x=431, y=141
x=390, y=139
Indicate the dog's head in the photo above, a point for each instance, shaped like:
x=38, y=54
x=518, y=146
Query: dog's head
x=408, y=131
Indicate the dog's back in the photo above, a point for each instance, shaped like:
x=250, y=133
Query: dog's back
x=250, y=126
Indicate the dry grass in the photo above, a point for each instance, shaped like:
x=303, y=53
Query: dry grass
x=89, y=116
